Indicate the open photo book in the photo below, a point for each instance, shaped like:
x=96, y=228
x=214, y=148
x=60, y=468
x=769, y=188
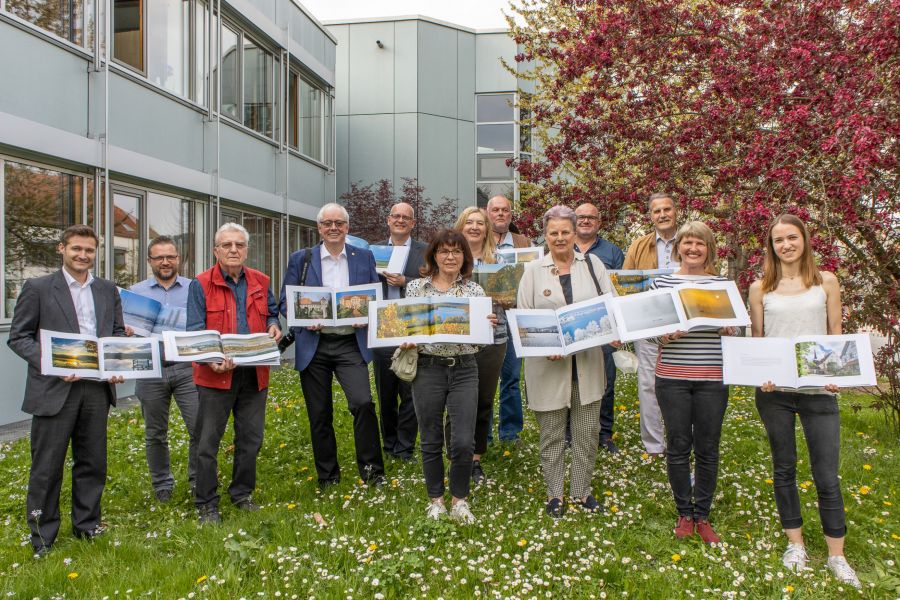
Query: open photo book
x=308, y=305
x=248, y=349
x=430, y=320
x=89, y=357
x=564, y=331
x=390, y=259
x=519, y=255
x=147, y=317
x=804, y=361
x=627, y=282
x=681, y=308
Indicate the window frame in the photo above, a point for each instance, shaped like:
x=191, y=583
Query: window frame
x=516, y=146
x=326, y=133
x=83, y=47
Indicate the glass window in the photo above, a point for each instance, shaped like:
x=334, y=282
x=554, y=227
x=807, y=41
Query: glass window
x=310, y=109
x=230, y=73
x=329, y=130
x=181, y=220
x=126, y=238
x=486, y=191
x=128, y=32
x=258, y=88
x=495, y=138
x=64, y=18
x=301, y=236
x=38, y=205
x=493, y=167
x=168, y=44
x=293, y=120
x=201, y=69
x=494, y=108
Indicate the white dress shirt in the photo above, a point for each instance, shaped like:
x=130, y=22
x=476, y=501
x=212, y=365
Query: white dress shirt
x=83, y=298
x=664, y=258
x=336, y=274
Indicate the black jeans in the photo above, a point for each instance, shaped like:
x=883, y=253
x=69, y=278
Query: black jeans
x=490, y=362
x=693, y=412
x=395, y=407
x=821, y=421
x=608, y=403
x=453, y=389
x=249, y=407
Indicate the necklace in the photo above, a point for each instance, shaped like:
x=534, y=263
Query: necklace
x=554, y=270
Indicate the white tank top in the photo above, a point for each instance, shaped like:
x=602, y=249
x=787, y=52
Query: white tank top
x=797, y=314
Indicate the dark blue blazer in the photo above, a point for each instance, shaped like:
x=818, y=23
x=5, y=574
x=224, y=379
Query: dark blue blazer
x=361, y=264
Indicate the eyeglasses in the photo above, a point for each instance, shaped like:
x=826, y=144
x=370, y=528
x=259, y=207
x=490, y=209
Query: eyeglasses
x=587, y=218
x=164, y=258
x=230, y=245
x=403, y=218
x=452, y=251
x=330, y=224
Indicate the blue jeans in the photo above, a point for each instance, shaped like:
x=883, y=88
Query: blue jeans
x=510, y=396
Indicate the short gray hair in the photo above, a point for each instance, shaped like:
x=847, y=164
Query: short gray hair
x=232, y=226
x=660, y=196
x=329, y=206
x=560, y=212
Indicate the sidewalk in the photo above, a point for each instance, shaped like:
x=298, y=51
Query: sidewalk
x=16, y=431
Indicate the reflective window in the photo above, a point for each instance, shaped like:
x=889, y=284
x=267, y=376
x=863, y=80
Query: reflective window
x=168, y=44
x=184, y=221
x=64, y=18
x=230, y=73
x=264, y=250
x=126, y=228
x=486, y=191
x=329, y=130
x=128, y=32
x=493, y=167
x=494, y=108
x=201, y=68
x=258, y=88
x=310, y=111
x=496, y=138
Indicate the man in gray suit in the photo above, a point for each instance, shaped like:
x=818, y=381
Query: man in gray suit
x=398, y=421
x=66, y=408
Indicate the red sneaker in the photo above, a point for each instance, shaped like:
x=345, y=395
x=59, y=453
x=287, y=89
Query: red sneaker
x=706, y=532
x=684, y=528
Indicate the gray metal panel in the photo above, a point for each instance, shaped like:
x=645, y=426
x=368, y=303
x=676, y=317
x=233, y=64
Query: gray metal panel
x=406, y=81
x=372, y=69
x=43, y=139
x=438, y=156
x=371, y=157
x=150, y=123
x=12, y=373
x=342, y=154
x=307, y=183
x=42, y=82
x=490, y=76
x=465, y=76
x=465, y=166
x=247, y=160
x=342, y=70
x=405, y=147
x=265, y=7
x=437, y=70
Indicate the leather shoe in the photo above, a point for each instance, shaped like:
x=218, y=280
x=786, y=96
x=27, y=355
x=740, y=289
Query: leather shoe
x=42, y=550
x=164, y=495
x=247, y=504
x=209, y=514
x=90, y=534
x=327, y=483
x=610, y=446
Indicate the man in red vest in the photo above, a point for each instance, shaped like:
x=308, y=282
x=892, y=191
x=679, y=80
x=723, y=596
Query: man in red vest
x=230, y=298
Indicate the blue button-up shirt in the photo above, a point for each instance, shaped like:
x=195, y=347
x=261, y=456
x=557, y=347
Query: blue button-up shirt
x=175, y=295
x=196, y=309
x=609, y=254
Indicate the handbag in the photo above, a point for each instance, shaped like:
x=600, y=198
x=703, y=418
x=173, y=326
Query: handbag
x=403, y=363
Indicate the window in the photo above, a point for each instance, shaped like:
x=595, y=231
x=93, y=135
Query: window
x=264, y=250
x=127, y=242
x=201, y=60
x=259, y=88
x=38, y=204
x=65, y=18
x=184, y=221
x=128, y=32
x=301, y=236
x=310, y=113
x=496, y=144
x=168, y=45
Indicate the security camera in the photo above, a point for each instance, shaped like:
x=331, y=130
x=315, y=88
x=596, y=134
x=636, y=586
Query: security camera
x=379, y=44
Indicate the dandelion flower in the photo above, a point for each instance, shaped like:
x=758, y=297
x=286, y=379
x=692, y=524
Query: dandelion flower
x=201, y=579
x=292, y=506
x=506, y=453
x=72, y=575
x=373, y=547
x=522, y=542
x=867, y=467
x=864, y=490
x=676, y=557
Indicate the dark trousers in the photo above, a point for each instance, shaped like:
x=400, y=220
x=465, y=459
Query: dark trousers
x=248, y=404
x=511, y=418
x=821, y=421
x=398, y=417
x=82, y=420
x=608, y=402
x=156, y=398
x=339, y=356
x=490, y=361
x=693, y=412
x=438, y=389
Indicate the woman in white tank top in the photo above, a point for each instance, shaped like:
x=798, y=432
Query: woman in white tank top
x=795, y=298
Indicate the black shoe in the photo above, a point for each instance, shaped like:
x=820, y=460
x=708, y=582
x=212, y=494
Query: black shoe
x=90, y=534
x=590, y=504
x=247, y=504
x=209, y=514
x=609, y=445
x=42, y=550
x=327, y=483
x=478, y=476
x=556, y=508
x=164, y=495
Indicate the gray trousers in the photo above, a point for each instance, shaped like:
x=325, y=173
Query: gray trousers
x=652, y=433
x=156, y=398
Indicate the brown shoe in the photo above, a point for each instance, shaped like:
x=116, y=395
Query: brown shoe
x=684, y=528
x=706, y=532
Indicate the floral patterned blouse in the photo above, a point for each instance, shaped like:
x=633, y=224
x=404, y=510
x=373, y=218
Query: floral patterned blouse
x=461, y=288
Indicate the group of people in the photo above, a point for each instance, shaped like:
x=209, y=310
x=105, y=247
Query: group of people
x=449, y=403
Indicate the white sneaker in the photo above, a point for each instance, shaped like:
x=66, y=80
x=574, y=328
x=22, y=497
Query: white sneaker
x=842, y=571
x=795, y=558
x=460, y=512
x=435, y=510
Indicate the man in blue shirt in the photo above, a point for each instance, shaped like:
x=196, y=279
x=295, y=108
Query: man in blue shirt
x=587, y=241
x=170, y=289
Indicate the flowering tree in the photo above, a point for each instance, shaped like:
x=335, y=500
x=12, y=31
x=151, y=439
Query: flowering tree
x=370, y=205
x=742, y=109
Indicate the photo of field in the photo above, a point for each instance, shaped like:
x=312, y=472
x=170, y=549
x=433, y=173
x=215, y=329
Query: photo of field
x=450, y=316
x=538, y=331
x=710, y=304
x=355, y=303
x=585, y=323
x=200, y=344
x=829, y=359
x=128, y=355
x=74, y=354
x=249, y=347
x=312, y=305
x=402, y=320
x=499, y=281
x=524, y=257
x=382, y=256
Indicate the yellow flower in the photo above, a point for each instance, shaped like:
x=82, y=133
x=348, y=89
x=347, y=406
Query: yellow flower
x=282, y=445
x=522, y=542
x=506, y=453
x=676, y=557
x=292, y=506
x=373, y=547
x=201, y=579
x=769, y=481
x=864, y=489
x=645, y=456
x=277, y=409
x=346, y=497
x=72, y=575
x=607, y=493
x=613, y=509
x=309, y=478
x=886, y=503
x=867, y=467
x=395, y=482
x=894, y=536
x=788, y=588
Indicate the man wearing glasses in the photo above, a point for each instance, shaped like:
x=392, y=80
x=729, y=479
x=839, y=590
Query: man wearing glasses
x=230, y=298
x=325, y=352
x=588, y=241
x=398, y=420
x=170, y=289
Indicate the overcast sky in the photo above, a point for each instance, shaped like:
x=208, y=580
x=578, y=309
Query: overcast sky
x=477, y=14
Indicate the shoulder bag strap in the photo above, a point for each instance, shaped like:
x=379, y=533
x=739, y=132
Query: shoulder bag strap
x=590, y=266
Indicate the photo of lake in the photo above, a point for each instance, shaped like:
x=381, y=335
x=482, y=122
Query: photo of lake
x=585, y=323
x=538, y=331
x=139, y=312
x=450, y=316
x=200, y=344
x=74, y=354
x=128, y=355
x=249, y=347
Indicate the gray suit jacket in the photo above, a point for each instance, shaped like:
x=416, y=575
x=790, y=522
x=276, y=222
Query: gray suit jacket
x=414, y=261
x=46, y=303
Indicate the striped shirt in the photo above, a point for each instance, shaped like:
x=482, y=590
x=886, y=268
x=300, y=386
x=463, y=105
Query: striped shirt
x=697, y=355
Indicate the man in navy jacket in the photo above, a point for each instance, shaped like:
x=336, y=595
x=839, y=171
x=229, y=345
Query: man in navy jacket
x=325, y=352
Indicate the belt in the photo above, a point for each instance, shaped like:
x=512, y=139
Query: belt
x=432, y=360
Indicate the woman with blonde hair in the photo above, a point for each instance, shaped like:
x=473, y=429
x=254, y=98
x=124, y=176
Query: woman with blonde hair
x=795, y=298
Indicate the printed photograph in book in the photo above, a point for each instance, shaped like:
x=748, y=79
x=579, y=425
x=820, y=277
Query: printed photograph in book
x=586, y=323
x=538, y=331
x=129, y=355
x=649, y=312
x=257, y=345
x=139, y=312
x=839, y=358
x=634, y=281
x=402, y=320
x=519, y=255
x=353, y=304
x=450, y=316
x=200, y=344
x=390, y=259
x=382, y=256
x=68, y=353
x=499, y=281
x=706, y=303
x=313, y=305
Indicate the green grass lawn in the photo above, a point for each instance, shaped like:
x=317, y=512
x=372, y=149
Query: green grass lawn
x=377, y=543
